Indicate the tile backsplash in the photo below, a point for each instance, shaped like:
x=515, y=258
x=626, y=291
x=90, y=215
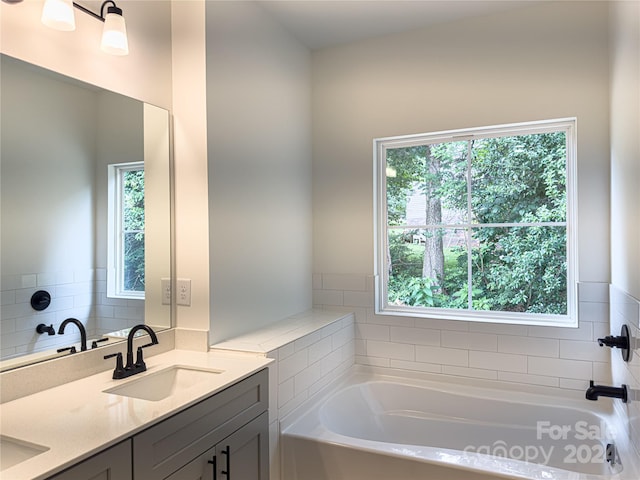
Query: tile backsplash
x=550, y=356
x=79, y=294
x=625, y=309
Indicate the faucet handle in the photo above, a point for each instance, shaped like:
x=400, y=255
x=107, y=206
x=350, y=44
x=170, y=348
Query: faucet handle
x=119, y=371
x=94, y=344
x=69, y=349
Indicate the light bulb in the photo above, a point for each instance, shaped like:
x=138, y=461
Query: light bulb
x=58, y=14
x=114, y=34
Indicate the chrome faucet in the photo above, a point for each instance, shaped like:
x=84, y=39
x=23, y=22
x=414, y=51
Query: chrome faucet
x=139, y=366
x=595, y=391
x=83, y=332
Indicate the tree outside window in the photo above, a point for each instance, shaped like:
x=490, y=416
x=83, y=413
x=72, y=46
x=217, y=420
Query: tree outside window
x=478, y=221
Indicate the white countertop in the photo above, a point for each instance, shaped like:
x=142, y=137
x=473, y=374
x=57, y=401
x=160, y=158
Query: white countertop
x=77, y=419
x=280, y=333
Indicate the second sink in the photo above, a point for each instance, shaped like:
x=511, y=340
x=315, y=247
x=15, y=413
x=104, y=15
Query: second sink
x=164, y=383
x=15, y=451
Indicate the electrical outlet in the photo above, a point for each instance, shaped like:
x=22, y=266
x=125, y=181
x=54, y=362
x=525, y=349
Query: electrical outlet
x=166, y=291
x=184, y=292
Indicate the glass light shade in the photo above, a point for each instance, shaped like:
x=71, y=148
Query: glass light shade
x=114, y=35
x=58, y=14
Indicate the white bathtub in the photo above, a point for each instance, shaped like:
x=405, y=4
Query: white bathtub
x=373, y=426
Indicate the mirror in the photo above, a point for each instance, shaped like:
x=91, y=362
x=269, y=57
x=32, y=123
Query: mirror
x=60, y=228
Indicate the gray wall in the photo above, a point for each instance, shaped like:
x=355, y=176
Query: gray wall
x=259, y=160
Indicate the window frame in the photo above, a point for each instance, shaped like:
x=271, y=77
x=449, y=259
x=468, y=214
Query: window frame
x=115, y=234
x=381, y=276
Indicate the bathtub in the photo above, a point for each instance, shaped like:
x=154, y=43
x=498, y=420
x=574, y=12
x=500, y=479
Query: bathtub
x=377, y=426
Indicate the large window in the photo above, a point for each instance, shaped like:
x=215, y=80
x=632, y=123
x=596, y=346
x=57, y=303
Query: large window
x=125, y=275
x=478, y=224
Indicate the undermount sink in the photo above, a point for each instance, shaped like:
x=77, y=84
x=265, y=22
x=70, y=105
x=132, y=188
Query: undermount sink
x=164, y=383
x=14, y=451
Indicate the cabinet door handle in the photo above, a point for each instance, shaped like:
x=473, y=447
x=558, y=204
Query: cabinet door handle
x=227, y=472
x=215, y=467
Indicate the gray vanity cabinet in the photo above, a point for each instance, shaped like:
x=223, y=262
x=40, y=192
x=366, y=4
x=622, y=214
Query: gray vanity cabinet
x=230, y=428
x=244, y=455
x=111, y=464
x=235, y=417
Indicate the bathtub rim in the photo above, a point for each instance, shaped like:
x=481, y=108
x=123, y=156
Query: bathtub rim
x=303, y=416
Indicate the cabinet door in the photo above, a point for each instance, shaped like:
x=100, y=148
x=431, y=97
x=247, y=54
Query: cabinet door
x=202, y=468
x=244, y=455
x=112, y=464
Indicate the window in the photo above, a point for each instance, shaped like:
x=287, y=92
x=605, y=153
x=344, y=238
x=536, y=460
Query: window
x=125, y=252
x=478, y=224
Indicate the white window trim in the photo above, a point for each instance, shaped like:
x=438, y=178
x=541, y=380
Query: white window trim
x=380, y=146
x=114, y=232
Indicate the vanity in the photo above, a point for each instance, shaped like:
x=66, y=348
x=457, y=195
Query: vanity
x=192, y=415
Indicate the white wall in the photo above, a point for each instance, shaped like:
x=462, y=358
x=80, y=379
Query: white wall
x=145, y=74
x=190, y=151
x=546, y=61
x=625, y=146
x=47, y=200
x=258, y=120
x=625, y=196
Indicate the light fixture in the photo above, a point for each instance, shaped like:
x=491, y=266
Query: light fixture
x=58, y=14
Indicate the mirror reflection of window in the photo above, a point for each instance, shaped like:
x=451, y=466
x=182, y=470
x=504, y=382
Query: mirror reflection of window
x=126, y=275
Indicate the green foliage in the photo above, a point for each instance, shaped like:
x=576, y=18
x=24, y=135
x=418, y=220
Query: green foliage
x=133, y=218
x=515, y=180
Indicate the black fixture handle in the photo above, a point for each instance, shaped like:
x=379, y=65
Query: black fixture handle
x=215, y=467
x=94, y=344
x=622, y=342
x=119, y=371
x=227, y=452
x=70, y=349
x=42, y=328
x=40, y=300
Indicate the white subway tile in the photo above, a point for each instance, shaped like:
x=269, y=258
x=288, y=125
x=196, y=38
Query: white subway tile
x=7, y=297
x=292, y=365
x=437, y=324
x=329, y=363
x=469, y=340
x=28, y=281
x=391, y=350
x=328, y=297
x=505, y=362
x=602, y=372
x=593, y=292
x=498, y=328
x=369, y=331
x=416, y=336
x=46, y=279
x=344, y=282
x=342, y=337
x=285, y=391
x=578, y=350
x=559, y=367
x=319, y=350
x=583, y=332
x=416, y=366
x=542, y=347
x=529, y=379
x=469, y=372
x=372, y=361
x=360, y=346
x=306, y=377
x=357, y=299
x=316, y=281
x=572, y=384
x=390, y=320
x=286, y=350
x=593, y=312
x=444, y=356
x=307, y=340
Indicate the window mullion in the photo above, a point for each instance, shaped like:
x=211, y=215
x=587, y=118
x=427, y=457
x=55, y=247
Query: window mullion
x=469, y=236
